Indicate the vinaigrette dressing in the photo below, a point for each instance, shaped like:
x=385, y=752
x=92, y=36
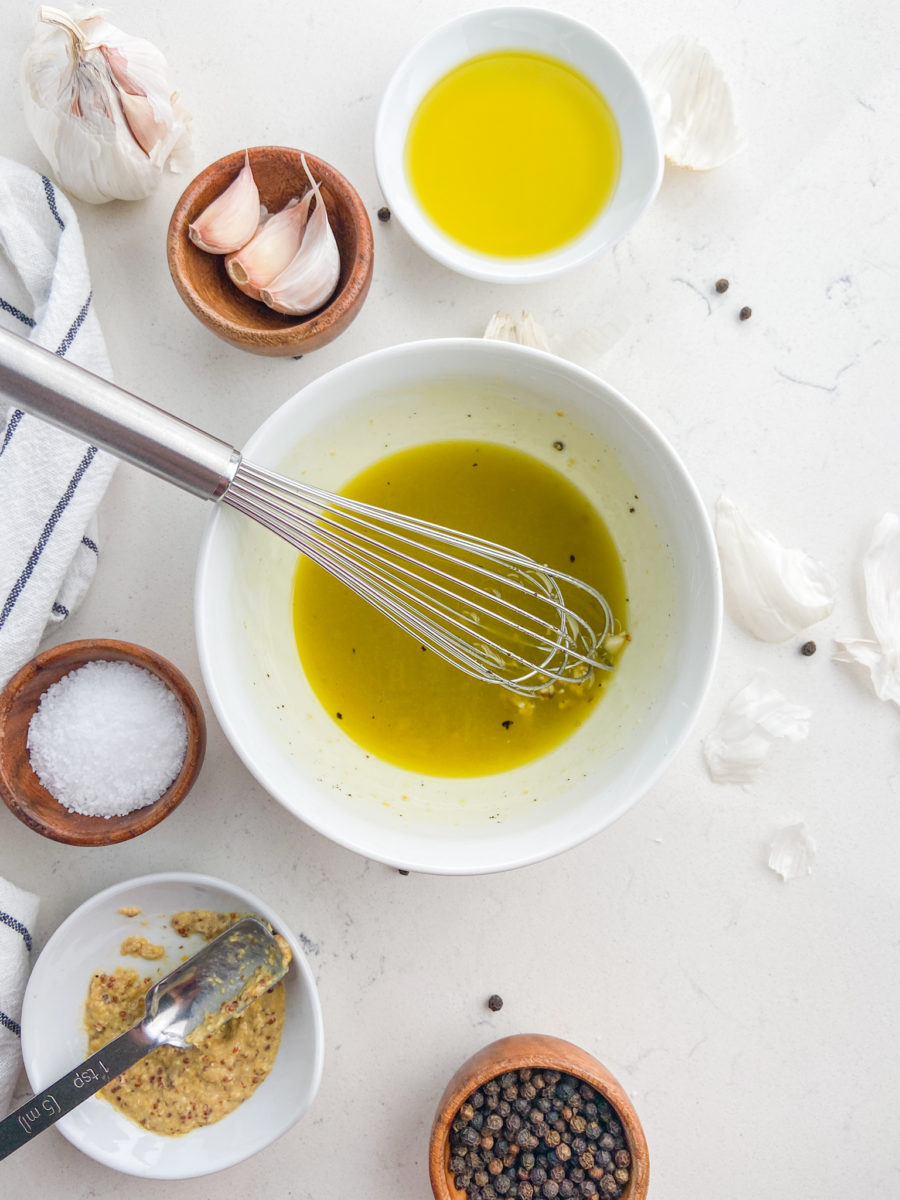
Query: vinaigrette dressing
x=513, y=153
x=406, y=705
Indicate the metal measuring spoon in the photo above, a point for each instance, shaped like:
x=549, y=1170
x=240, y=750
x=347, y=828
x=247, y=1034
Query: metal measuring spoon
x=202, y=993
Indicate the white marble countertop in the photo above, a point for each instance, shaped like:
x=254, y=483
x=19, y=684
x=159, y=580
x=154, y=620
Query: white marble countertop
x=752, y=1021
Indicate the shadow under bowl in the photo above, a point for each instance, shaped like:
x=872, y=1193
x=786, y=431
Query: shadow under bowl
x=539, y=1052
x=248, y=324
x=21, y=789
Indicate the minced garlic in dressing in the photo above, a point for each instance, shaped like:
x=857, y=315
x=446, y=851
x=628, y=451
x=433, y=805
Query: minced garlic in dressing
x=173, y=1091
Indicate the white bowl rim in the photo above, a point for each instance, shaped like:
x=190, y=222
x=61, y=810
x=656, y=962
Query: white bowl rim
x=460, y=258
x=254, y=904
x=332, y=828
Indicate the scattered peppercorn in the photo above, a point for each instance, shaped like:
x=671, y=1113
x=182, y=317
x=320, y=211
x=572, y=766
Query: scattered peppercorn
x=746, y=313
x=495, y=1003
x=537, y=1135
x=559, y=446
x=721, y=286
x=384, y=213
x=808, y=648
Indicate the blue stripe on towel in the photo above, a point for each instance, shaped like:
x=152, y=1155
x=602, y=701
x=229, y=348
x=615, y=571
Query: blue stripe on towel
x=14, y=420
x=91, y=544
x=16, y=926
x=60, y=609
x=17, y=313
x=8, y=1023
x=51, y=200
x=75, y=326
x=52, y=520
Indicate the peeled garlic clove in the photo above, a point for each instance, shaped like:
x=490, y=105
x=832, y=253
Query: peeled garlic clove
x=233, y=217
x=276, y=241
x=99, y=105
x=313, y=273
x=692, y=105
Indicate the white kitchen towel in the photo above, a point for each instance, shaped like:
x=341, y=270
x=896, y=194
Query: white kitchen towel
x=18, y=910
x=50, y=482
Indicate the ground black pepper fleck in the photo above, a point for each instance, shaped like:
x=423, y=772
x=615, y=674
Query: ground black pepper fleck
x=559, y=446
x=384, y=213
x=721, y=286
x=537, y=1135
x=808, y=648
x=746, y=313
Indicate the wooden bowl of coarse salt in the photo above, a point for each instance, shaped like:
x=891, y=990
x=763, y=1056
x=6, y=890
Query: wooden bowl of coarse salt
x=99, y=741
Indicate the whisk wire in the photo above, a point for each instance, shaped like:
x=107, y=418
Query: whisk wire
x=460, y=595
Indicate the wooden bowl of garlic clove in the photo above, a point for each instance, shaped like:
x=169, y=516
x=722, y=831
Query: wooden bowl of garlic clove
x=249, y=324
x=539, y=1052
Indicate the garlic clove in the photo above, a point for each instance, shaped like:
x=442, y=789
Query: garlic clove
x=692, y=105
x=276, y=241
x=311, y=276
x=232, y=219
x=146, y=128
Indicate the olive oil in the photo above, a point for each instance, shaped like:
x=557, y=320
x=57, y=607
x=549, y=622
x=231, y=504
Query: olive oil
x=513, y=153
x=405, y=704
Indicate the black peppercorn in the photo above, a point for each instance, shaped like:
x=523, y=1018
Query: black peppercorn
x=526, y=1190
x=623, y=1158
x=384, y=213
x=550, y=1189
x=746, y=313
x=808, y=648
x=721, y=286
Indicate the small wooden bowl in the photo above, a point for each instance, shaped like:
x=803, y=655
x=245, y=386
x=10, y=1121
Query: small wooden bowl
x=21, y=789
x=211, y=296
x=542, y=1052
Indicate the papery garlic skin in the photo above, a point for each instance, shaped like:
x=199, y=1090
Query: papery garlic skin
x=276, y=241
x=523, y=330
x=792, y=852
x=881, y=654
x=692, y=105
x=312, y=275
x=231, y=220
x=774, y=592
x=99, y=105
x=750, y=723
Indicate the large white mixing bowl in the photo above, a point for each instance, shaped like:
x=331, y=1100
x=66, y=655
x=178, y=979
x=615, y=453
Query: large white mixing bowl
x=488, y=391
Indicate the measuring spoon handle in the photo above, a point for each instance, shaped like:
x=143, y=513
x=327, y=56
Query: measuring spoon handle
x=67, y=1093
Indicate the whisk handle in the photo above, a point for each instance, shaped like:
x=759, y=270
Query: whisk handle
x=47, y=386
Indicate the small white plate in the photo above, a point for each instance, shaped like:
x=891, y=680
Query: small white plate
x=559, y=37
x=54, y=1038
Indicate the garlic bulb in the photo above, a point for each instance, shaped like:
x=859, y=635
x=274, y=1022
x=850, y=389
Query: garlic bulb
x=313, y=273
x=99, y=106
x=692, y=104
x=231, y=220
x=271, y=248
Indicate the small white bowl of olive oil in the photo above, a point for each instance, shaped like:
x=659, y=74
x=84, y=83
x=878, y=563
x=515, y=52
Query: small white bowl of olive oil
x=514, y=144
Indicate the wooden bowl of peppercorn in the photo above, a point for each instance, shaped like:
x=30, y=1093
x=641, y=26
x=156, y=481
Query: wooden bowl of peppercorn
x=577, y=1133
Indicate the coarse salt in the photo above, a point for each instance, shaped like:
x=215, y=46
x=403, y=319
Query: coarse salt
x=107, y=738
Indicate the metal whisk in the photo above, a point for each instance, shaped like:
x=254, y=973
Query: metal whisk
x=492, y=612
